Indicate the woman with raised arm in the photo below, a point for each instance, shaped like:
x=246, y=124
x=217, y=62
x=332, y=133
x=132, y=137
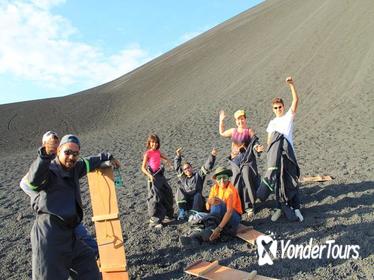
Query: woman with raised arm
x=244, y=145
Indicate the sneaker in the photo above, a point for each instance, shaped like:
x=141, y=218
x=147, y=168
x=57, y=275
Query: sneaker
x=197, y=217
x=250, y=214
x=158, y=226
x=276, y=215
x=167, y=220
x=155, y=223
x=298, y=214
x=181, y=214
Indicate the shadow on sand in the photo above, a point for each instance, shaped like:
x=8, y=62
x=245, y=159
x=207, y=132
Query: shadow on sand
x=332, y=212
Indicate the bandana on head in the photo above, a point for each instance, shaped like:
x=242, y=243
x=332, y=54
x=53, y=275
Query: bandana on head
x=70, y=138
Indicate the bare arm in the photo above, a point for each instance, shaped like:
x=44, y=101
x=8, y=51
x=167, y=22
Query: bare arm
x=222, y=131
x=167, y=160
x=144, y=168
x=212, y=201
x=295, y=97
x=226, y=218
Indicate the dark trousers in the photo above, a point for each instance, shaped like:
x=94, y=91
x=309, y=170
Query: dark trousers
x=56, y=250
x=82, y=233
x=246, y=182
x=191, y=202
x=219, y=211
x=293, y=201
x=160, y=198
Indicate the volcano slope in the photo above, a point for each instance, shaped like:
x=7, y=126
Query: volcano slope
x=328, y=48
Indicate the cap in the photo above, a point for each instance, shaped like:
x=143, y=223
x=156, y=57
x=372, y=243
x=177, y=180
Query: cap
x=48, y=134
x=221, y=171
x=70, y=138
x=239, y=113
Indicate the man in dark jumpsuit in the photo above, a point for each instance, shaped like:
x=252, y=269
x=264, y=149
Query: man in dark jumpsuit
x=80, y=229
x=55, y=176
x=189, y=194
x=282, y=176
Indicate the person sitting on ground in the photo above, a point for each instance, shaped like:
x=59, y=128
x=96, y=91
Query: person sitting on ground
x=55, y=174
x=281, y=155
x=80, y=230
x=189, y=193
x=245, y=174
x=224, y=203
x=160, y=195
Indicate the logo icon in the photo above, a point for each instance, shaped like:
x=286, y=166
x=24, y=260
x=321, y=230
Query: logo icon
x=264, y=257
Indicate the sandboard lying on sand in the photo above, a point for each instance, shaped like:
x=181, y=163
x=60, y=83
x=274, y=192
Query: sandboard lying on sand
x=318, y=178
x=214, y=271
x=248, y=234
x=108, y=227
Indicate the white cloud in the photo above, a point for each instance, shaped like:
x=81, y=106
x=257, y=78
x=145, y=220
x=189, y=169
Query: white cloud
x=190, y=35
x=36, y=45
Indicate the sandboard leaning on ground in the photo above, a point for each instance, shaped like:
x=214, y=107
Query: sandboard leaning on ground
x=107, y=224
x=248, y=234
x=318, y=178
x=214, y=271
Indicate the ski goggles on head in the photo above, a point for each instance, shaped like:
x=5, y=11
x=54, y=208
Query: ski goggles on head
x=223, y=177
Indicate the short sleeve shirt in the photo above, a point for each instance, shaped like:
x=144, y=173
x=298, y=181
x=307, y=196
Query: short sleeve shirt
x=283, y=124
x=229, y=195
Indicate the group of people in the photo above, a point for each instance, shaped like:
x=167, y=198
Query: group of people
x=230, y=199
x=62, y=247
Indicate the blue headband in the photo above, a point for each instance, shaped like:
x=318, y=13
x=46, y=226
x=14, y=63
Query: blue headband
x=70, y=138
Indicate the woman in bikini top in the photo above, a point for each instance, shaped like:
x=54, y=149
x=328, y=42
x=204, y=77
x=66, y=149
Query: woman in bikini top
x=240, y=136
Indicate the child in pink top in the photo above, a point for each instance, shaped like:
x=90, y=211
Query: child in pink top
x=154, y=159
x=160, y=195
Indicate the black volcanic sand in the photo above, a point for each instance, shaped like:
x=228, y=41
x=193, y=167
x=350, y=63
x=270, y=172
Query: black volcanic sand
x=327, y=46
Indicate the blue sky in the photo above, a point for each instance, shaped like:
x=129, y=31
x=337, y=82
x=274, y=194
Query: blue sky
x=52, y=48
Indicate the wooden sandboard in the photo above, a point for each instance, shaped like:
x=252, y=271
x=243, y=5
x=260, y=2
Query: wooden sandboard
x=248, y=234
x=214, y=271
x=319, y=178
x=108, y=227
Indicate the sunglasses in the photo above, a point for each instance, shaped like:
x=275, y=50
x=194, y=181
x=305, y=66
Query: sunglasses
x=276, y=108
x=71, y=153
x=222, y=177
